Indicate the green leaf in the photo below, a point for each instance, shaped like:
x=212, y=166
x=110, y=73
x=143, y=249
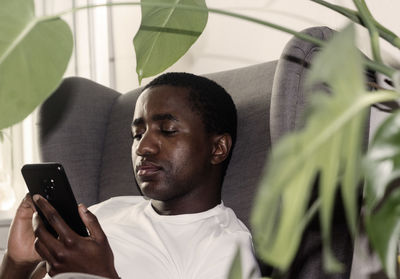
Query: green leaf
x=166, y=34
x=396, y=81
x=383, y=228
x=235, y=271
x=382, y=164
x=329, y=145
x=382, y=192
x=34, y=53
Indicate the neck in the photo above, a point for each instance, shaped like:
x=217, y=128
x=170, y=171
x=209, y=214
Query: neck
x=185, y=205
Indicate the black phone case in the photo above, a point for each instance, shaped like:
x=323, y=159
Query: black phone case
x=50, y=181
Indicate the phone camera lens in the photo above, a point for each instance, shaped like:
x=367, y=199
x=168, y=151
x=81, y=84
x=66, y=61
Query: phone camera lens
x=48, y=188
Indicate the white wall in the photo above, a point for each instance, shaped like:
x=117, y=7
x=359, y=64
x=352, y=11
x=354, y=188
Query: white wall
x=226, y=42
x=229, y=43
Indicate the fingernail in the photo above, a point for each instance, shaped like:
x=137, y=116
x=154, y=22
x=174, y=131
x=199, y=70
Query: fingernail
x=35, y=197
x=84, y=208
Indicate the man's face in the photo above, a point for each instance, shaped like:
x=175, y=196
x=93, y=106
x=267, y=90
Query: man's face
x=171, y=151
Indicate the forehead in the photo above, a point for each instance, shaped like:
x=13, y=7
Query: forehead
x=162, y=100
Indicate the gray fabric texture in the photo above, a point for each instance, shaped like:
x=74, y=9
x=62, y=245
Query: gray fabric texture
x=250, y=89
x=72, y=125
x=117, y=178
x=289, y=98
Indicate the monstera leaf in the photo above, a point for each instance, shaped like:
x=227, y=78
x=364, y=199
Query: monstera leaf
x=34, y=53
x=328, y=146
x=382, y=168
x=235, y=271
x=166, y=34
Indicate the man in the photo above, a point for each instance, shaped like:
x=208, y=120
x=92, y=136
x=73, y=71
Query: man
x=184, y=130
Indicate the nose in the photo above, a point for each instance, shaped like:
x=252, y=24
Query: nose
x=147, y=145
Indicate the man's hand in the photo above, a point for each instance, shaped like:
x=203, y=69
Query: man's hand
x=71, y=252
x=21, y=258
x=21, y=238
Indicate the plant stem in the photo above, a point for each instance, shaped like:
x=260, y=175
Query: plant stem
x=384, y=33
x=379, y=67
x=351, y=14
x=368, y=20
x=198, y=9
x=388, y=35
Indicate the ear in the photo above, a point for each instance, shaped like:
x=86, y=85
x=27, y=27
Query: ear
x=221, y=146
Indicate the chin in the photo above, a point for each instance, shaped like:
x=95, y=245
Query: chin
x=151, y=190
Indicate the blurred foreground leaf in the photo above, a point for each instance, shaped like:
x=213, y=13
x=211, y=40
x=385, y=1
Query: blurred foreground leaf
x=329, y=145
x=382, y=168
x=34, y=53
x=235, y=271
x=396, y=81
x=166, y=34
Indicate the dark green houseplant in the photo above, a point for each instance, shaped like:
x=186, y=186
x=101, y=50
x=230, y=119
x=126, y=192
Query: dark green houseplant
x=34, y=53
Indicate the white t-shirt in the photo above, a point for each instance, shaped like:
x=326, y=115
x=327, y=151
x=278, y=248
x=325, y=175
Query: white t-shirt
x=148, y=245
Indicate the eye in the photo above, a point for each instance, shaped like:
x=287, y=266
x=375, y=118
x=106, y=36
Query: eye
x=168, y=132
x=168, y=129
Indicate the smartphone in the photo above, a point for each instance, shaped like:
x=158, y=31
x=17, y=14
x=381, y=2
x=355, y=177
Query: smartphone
x=50, y=181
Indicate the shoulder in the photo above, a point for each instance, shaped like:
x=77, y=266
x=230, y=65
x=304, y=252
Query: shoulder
x=229, y=222
x=229, y=231
x=232, y=231
x=230, y=235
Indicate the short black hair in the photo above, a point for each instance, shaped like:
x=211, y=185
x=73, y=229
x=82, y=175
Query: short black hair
x=209, y=99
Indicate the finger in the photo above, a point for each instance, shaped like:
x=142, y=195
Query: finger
x=44, y=253
x=54, y=219
x=91, y=223
x=51, y=263
x=27, y=202
x=26, y=208
x=40, y=231
x=24, y=211
x=49, y=247
x=45, y=243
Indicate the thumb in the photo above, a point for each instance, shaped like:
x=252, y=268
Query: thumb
x=91, y=223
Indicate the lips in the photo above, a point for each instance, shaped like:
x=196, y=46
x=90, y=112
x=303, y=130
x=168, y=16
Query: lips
x=147, y=169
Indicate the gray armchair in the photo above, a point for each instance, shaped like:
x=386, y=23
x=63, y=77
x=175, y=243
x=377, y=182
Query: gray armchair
x=86, y=127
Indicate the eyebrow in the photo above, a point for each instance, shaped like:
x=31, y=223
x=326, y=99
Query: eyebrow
x=156, y=117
